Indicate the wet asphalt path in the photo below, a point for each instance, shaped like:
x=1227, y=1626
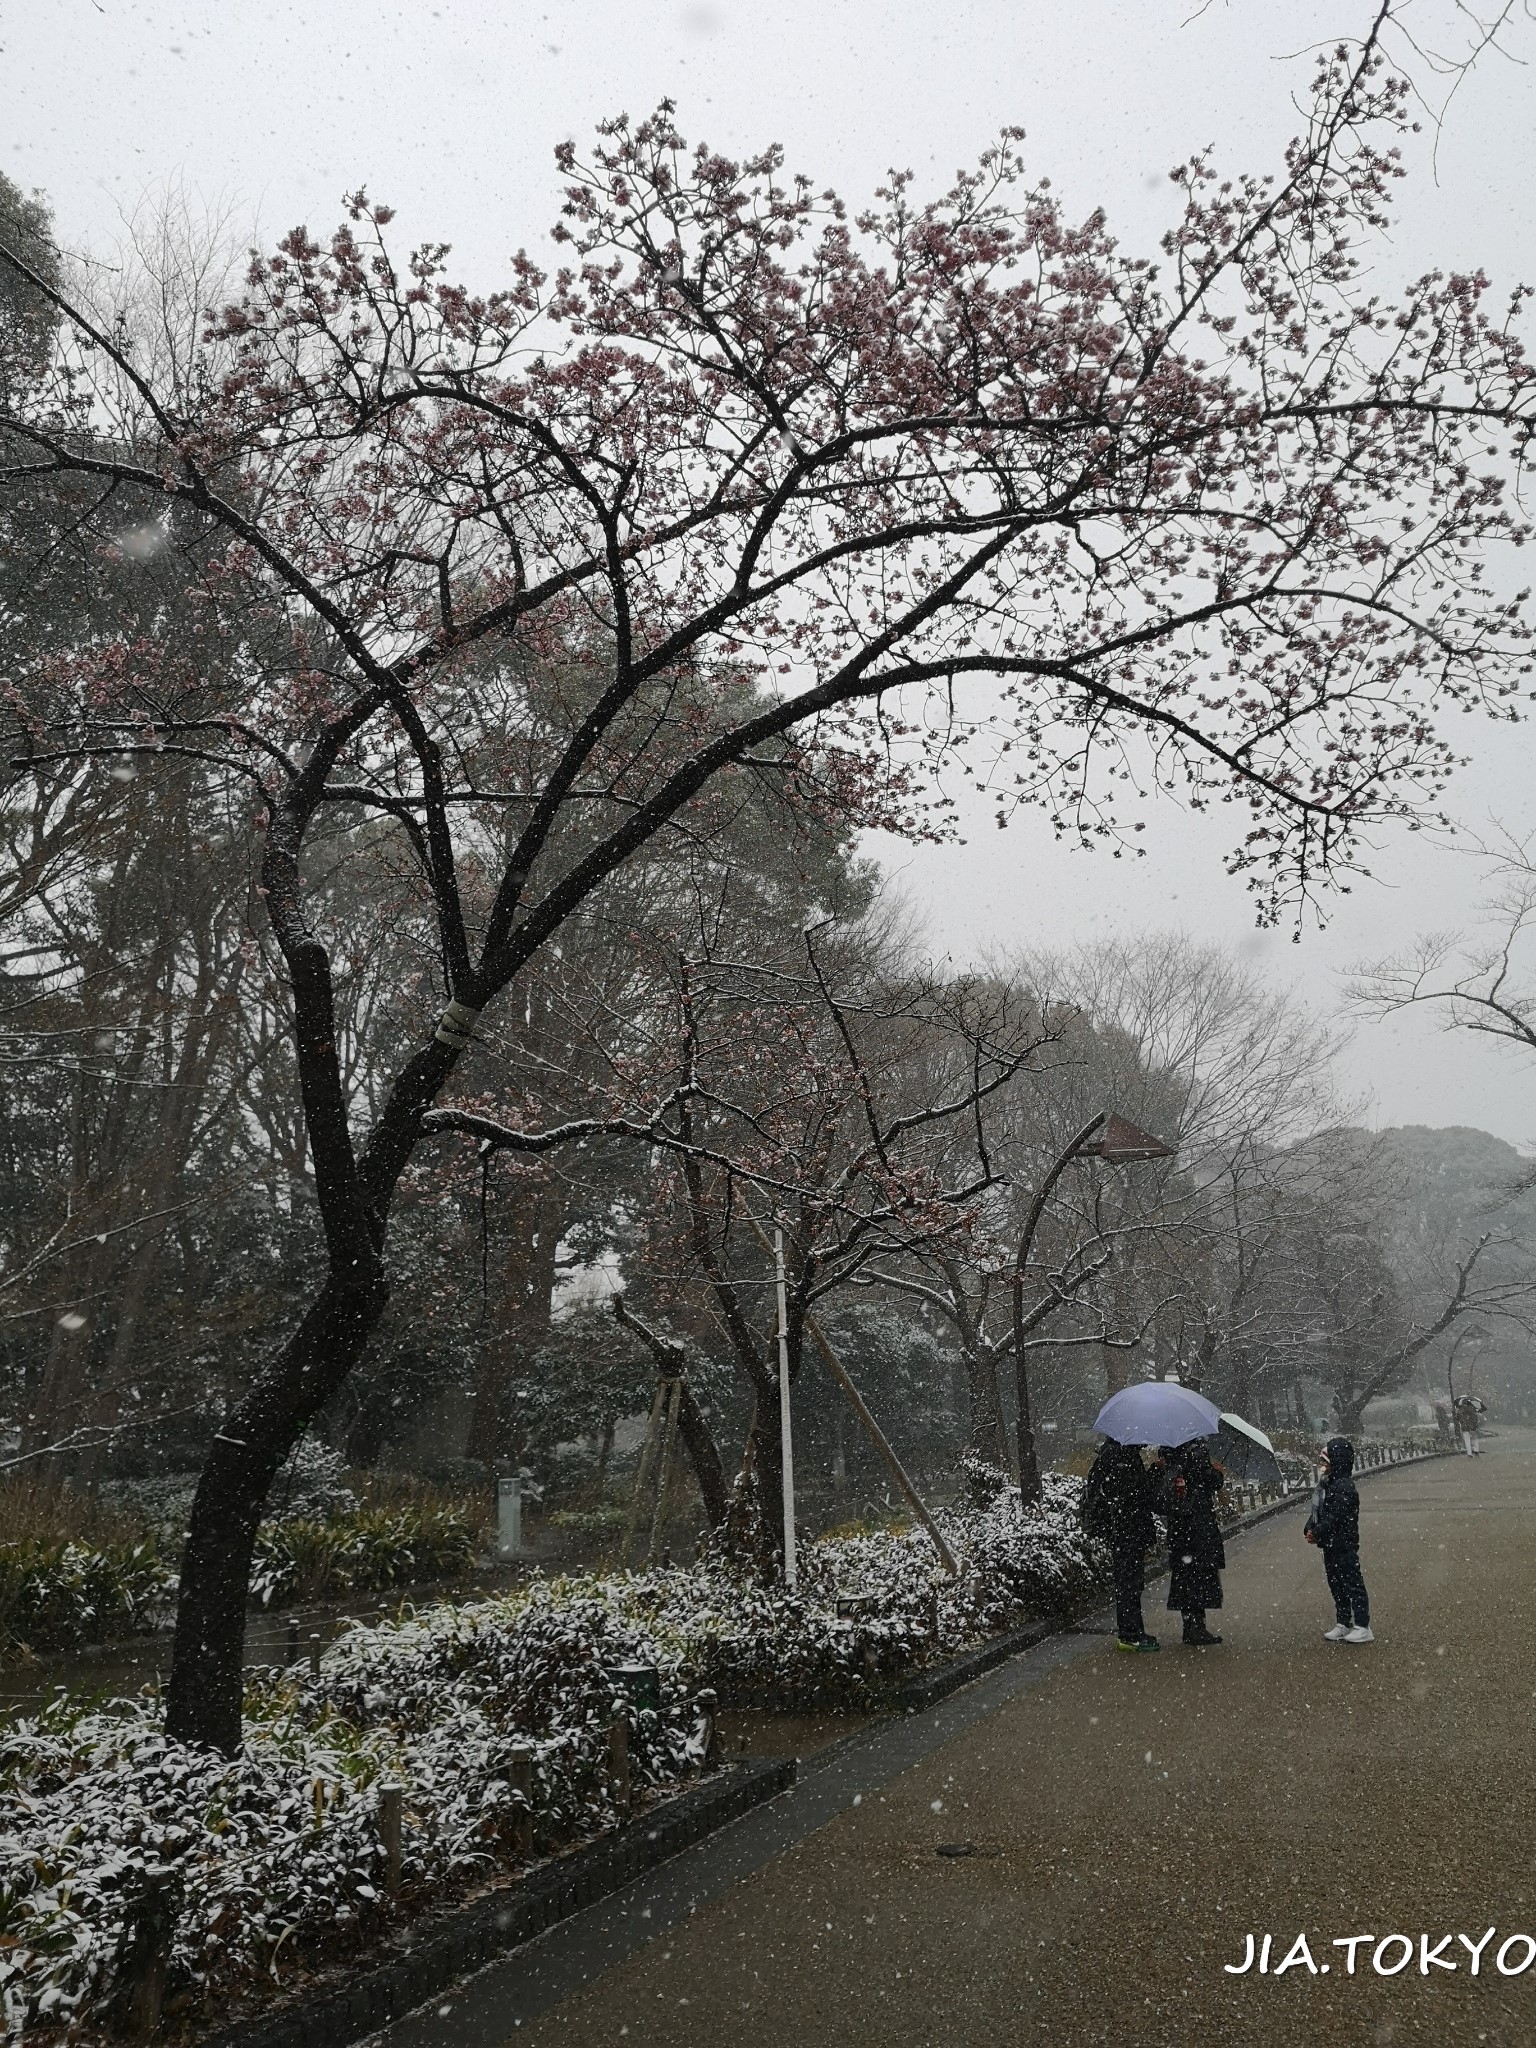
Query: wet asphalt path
x=1135, y=1819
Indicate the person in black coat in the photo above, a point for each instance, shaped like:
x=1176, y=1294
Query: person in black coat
x=1196, y=1552
x=1334, y=1526
x=1117, y=1506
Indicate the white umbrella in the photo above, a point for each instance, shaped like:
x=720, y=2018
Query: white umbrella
x=1245, y=1451
x=1157, y=1412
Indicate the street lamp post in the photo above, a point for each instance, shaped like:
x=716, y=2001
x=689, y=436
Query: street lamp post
x=1119, y=1143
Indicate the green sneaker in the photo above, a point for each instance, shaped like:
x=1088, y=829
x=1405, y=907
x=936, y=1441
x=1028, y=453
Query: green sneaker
x=1142, y=1643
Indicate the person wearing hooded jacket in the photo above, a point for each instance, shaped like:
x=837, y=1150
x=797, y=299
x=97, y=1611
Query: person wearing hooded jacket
x=1196, y=1553
x=1117, y=1507
x=1334, y=1526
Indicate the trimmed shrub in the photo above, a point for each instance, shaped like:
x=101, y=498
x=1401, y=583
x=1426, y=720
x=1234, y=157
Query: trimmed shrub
x=273, y=1858
x=759, y=1645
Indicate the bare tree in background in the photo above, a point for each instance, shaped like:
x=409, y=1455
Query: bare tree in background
x=1484, y=982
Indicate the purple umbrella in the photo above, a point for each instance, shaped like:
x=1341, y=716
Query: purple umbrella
x=1157, y=1412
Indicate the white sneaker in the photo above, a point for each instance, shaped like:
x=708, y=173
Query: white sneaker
x=1357, y=1635
x=1337, y=1633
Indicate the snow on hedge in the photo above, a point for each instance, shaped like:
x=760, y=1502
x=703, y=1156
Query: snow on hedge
x=758, y=1644
x=273, y=1860
x=61, y=1596
x=275, y=1856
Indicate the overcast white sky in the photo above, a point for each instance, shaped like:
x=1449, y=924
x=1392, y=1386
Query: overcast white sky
x=451, y=109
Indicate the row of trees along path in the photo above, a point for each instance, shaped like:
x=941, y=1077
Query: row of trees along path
x=773, y=492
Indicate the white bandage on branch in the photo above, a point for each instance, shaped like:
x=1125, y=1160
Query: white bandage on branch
x=456, y=1026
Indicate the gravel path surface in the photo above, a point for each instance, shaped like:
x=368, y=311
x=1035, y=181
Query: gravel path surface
x=1136, y=1818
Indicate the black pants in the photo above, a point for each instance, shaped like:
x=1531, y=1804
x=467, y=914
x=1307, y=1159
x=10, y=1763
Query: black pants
x=1129, y=1626
x=1351, y=1602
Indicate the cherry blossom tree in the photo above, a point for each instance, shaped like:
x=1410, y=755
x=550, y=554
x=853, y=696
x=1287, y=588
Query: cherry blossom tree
x=817, y=499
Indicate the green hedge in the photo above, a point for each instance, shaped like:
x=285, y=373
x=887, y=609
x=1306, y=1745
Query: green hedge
x=63, y=1596
x=59, y=1596
x=366, y=1551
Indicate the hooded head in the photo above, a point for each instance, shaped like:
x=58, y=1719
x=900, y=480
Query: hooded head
x=1340, y=1453
x=1112, y=1452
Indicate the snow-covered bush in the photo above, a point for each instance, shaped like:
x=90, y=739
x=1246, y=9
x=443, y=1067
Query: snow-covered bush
x=758, y=1644
x=365, y=1550
x=57, y=1596
x=161, y=1505
x=312, y=1485
x=274, y=1858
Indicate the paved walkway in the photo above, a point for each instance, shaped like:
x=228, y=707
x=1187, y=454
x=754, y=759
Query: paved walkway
x=1137, y=1819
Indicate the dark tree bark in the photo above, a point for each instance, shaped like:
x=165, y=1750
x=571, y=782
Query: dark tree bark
x=692, y=1423
x=533, y=1220
x=205, y=1694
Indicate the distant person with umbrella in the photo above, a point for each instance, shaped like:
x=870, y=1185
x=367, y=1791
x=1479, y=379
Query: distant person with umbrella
x=1469, y=1419
x=1117, y=1507
x=1196, y=1552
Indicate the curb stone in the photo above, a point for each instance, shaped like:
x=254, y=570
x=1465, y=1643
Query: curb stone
x=926, y=1688
x=435, y=1951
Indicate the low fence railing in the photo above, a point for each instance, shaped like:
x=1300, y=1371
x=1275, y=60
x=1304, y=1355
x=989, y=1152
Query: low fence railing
x=1242, y=1496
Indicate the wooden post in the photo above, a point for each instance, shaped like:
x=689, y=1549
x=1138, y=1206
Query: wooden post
x=643, y=1471
x=707, y=1732
x=520, y=1778
x=292, y=1656
x=315, y=1648
x=391, y=1816
x=618, y=1760
x=877, y=1437
x=141, y=1985
x=673, y=1390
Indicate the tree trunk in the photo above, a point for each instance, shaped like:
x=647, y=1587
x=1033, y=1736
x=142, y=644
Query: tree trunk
x=205, y=1695
x=1117, y=1369
x=989, y=1435
x=755, y=1522
x=1029, y=1455
x=693, y=1424
x=521, y=1315
x=704, y=1456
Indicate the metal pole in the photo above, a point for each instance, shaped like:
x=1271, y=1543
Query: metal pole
x=876, y=1434
x=786, y=1438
